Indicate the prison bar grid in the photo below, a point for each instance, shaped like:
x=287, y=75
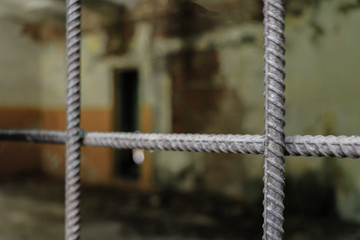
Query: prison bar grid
x=316, y=146
x=273, y=144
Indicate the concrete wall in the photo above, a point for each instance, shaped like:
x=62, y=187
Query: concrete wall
x=33, y=94
x=201, y=70
x=217, y=86
x=322, y=91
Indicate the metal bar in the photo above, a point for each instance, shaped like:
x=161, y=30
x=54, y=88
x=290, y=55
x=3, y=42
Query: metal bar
x=246, y=144
x=73, y=130
x=274, y=172
x=317, y=146
x=33, y=135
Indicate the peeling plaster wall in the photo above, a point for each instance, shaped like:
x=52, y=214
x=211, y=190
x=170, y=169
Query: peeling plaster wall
x=33, y=90
x=35, y=60
x=322, y=72
x=18, y=52
x=322, y=91
x=223, y=89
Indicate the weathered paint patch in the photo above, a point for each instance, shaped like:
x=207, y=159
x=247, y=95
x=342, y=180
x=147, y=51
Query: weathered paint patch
x=194, y=75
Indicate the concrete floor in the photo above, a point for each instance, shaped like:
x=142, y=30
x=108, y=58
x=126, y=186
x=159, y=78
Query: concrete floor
x=34, y=210
x=25, y=217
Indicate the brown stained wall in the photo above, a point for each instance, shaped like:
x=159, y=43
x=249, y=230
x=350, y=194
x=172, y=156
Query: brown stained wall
x=199, y=95
x=195, y=96
x=203, y=103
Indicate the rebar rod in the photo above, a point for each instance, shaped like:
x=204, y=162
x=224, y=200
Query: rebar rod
x=73, y=130
x=274, y=120
x=316, y=146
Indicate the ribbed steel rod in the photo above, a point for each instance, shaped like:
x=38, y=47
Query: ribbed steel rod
x=73, y=131
x=317, y=146
x=274, y=172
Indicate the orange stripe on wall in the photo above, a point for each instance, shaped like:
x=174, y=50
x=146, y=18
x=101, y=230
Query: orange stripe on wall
x=20, y=158
x=17, y=159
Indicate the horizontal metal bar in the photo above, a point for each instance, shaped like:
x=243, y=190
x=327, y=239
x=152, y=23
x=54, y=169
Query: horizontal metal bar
x=318, y=146
x=33, y=135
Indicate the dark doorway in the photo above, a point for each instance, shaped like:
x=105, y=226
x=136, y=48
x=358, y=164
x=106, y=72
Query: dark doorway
x=126, y=119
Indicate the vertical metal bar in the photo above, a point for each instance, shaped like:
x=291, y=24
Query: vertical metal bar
x=274, y=25
x=73, y=131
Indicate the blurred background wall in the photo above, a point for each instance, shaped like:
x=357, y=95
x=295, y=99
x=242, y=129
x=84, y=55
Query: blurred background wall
x=198, y=68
